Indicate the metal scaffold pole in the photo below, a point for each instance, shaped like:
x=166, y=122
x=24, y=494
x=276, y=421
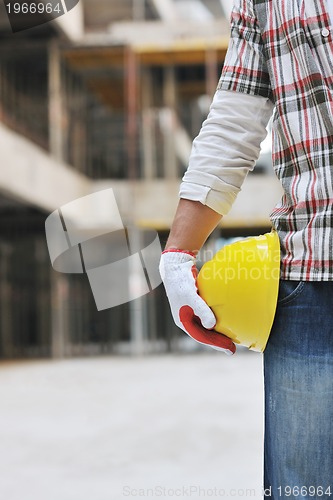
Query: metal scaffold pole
x=137, y=306
x=138, y=320
x=169, y=91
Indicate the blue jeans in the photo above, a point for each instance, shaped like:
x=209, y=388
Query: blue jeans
x=298, y=368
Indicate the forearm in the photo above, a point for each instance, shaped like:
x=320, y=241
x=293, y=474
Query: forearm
x=192, y=225
x=226, y=148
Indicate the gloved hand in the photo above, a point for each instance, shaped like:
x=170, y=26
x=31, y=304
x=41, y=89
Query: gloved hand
x=190, y=312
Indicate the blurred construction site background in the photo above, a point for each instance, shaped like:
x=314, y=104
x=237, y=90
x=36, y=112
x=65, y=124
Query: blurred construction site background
x=109, y=95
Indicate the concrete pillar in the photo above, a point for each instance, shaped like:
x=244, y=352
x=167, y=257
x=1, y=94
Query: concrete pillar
x=211, y=76
x=55, y=102
x=138, y=10
x=148, y=128
x=131, y=90
x=43, y=302
x=59, y=315
x=2, y=64
x=6, y=340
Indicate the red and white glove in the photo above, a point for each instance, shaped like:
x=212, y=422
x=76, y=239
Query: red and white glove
x=190, y=312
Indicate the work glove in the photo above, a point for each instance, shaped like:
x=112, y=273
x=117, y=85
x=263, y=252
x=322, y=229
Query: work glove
x=190, y=312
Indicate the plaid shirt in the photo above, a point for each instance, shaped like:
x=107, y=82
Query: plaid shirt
x=283, y=50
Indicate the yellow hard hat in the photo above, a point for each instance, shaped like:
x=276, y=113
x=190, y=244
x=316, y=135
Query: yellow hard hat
x=241, y=285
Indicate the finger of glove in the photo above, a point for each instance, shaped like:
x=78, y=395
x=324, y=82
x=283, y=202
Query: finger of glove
x=181, y=288
x=195, y=330
x=185, y=293
x=203, y=312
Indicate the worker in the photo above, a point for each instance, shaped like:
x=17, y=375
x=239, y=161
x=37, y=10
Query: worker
x=279, y=62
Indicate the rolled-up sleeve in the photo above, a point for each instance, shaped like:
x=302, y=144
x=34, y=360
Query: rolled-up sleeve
x=226, y=149
x=228, y=144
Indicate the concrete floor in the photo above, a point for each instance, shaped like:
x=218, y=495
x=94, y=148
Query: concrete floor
x=113, y=428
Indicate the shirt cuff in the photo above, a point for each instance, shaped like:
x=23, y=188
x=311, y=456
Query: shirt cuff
x=220, y=202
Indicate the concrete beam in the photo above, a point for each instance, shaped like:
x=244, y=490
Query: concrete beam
x=31, y=176
x=152, y=204
x=157, y=34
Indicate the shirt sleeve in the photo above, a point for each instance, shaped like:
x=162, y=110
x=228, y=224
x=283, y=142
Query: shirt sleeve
x=245, y=68
x=228, y=144
x=226, y=149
